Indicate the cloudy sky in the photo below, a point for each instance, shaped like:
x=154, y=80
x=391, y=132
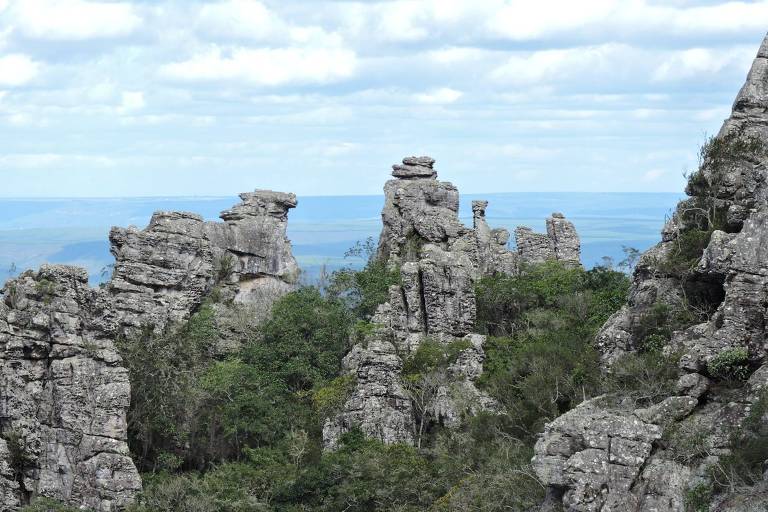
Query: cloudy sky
x=320, y=97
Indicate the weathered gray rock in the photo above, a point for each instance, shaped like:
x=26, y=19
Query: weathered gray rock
x=593, y=456
x=561, y=242
x=63, y=390
x=379, y=405
x=415, y=167
x=439, y=260
x=728, y=285
x=163, y=272
x=565, y=240
x=64, y=395
x=493, y=254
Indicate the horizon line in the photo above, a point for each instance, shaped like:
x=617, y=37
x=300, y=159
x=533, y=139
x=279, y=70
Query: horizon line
x=205, y=197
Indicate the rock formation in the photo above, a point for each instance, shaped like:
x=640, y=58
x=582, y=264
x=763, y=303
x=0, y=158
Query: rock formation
x=163, y=272
x=440, y=260
x=607, y=456
x=63, y=390
x=63, y=395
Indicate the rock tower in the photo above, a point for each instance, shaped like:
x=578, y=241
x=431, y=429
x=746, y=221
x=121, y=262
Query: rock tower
x=440, y=260
x=63, y=390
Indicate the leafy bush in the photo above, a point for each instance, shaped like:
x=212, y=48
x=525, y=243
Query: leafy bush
x=698, y=498
x=48, y=505
x=165, y=370
x=363, y=290
x=366, y=475
x=189, y=410
x=546, y=364
x=330, y=398
x=645, y=377
x=730, y=364
x=502, y=299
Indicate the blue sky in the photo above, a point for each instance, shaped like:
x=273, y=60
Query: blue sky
x=149, y=98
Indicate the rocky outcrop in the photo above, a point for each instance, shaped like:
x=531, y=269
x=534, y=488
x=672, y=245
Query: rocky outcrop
x=560, y=242
x=440, y=261
x=722, y=291
x=63, y=390
x=63, y=395
x=163, y=272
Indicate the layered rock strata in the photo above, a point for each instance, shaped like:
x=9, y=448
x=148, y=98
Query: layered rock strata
x=727, y=288
x=63, y=390
x=440, y=260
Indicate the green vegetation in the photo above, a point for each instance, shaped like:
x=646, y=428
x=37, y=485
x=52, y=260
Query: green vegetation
x=544, y=362
x=705, y=211
x=48, y=505
x=698, y=498
x=46, y=289
x=236, y=426
x=731, y=365
x=363, y=290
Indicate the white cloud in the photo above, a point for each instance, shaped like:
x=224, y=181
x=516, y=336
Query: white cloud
x=266, y=66
x=559, y=65
x=49, y=160
x=693, y=62
x=239, y=18
x=251, y=19
x=653, y=175
x=442, y=96
x=132, y=100
x=72, y=19
x=522, y=20
x=17, y=69
x=455, y=54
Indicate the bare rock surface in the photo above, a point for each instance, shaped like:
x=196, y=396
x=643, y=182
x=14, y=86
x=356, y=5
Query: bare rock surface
x=163, y=272
x=63, y=390
x=64, y=395
x=684, y=434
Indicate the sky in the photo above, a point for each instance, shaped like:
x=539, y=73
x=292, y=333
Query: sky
x=190, y=98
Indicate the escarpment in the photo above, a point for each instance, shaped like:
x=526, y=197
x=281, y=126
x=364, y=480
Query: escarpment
x=64, y=392
x=698, y=298
x=439, y=261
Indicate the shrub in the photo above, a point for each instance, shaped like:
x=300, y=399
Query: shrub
x=502, y=300
x=645, y=377
x=49, y=505
x=698, y=498
x=165, y=369
x=330, y=398
x=366, y=475
x=364, y=290
x=547, y=363
x=730, y=364
x=749, y=451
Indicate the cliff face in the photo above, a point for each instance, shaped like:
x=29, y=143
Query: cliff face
x=163, y=272
x=440, y=261
x=63, y=390
x=605, y=454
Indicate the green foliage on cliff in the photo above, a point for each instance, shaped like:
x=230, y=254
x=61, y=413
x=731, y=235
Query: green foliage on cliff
x=505, y=303
x=363, y=290
x=191, y=410
x=242, y=431
x=545, y=362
